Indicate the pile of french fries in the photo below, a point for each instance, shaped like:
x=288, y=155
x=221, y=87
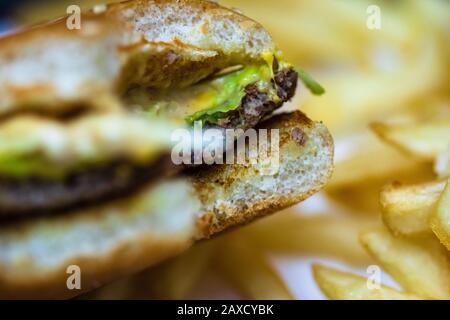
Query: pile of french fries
x=388, y=204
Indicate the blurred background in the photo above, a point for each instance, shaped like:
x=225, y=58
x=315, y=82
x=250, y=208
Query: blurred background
x=394, y=73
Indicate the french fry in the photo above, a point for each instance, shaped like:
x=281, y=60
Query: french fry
x=359, y=97
x=440, y=222
x=442, y=164
x=406, y=210
x=175, y=278
x=339, y=285
x=426, y=140
x=308, y=47
x=339, y=26
x=420, y=265
x=362, y=198
x=434, y=14
x=324, y=235
x=354, y=162
x=250, y=271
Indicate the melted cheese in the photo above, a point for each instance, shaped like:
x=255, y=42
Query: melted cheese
x=32, y=145
x=206, y=100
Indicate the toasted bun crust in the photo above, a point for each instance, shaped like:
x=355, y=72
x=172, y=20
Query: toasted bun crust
x=152, y=43
x=237, y=194
x=126, y=236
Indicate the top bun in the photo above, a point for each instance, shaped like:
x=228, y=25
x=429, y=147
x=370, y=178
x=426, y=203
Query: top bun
x=150, y=43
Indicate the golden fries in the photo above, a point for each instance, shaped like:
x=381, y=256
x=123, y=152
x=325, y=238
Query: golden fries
x=339, y=285
x=440, y=222
x=175, y=278
x=442, y=164
x=426, y=140
x=354, y=163
x=420, y=265
x=406, y=210
x=250, y=271
x=361, y=198
x=324, y=235
x=356, y=98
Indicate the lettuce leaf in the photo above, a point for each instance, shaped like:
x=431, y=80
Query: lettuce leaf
x=313, y=86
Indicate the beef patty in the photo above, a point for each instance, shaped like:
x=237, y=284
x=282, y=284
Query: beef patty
x=40, y=195
x=256, y=105
x=101, y=183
